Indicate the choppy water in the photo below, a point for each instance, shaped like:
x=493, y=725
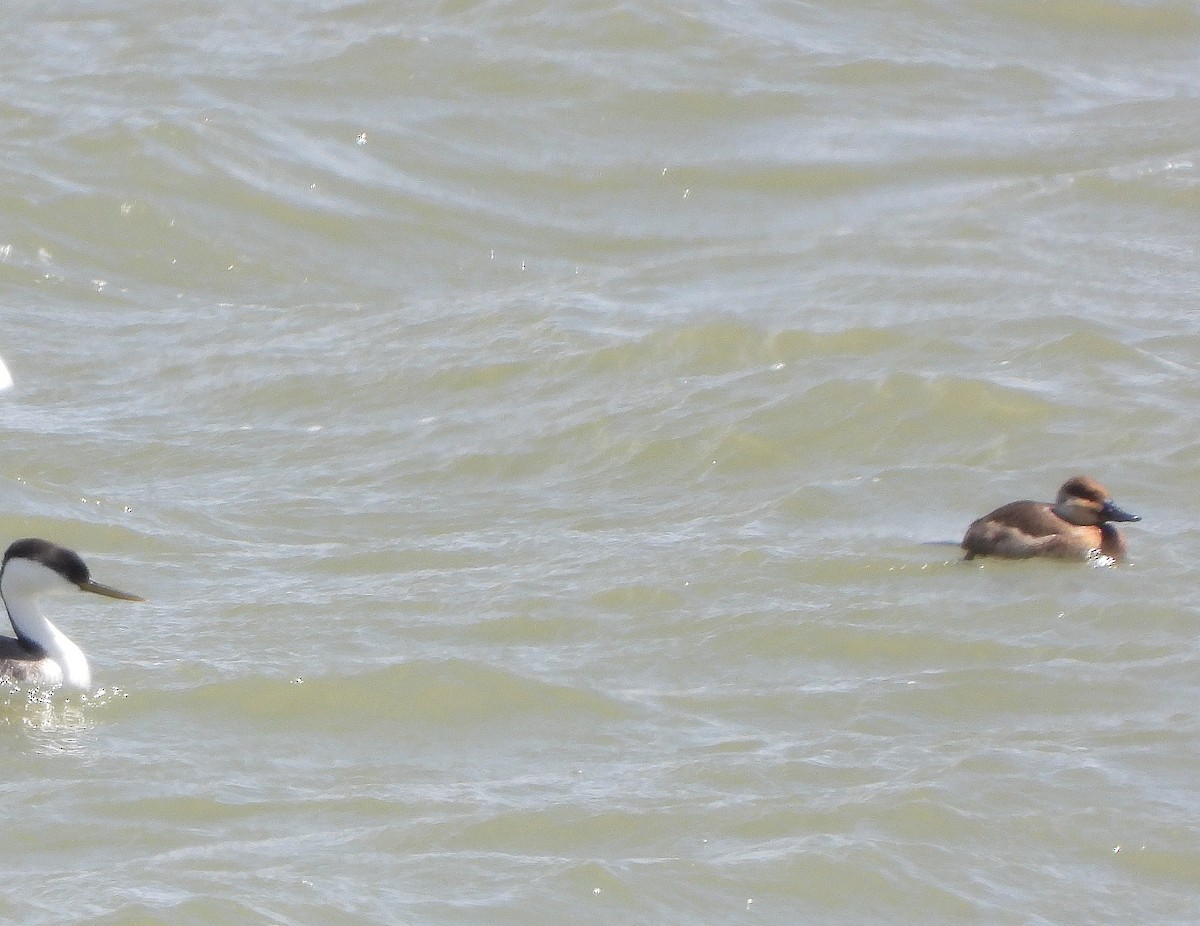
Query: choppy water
x=531, y=428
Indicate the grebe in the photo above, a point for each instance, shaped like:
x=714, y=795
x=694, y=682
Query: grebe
x=41, y=655
x=1074, y=527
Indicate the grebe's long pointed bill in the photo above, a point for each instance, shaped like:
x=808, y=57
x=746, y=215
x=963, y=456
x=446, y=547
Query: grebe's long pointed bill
x=108, y=591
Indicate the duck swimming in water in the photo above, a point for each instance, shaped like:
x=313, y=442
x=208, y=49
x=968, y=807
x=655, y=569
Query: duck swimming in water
x=1076, y=526
x=41, y=655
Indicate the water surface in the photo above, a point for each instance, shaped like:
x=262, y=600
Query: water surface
x=541, y=436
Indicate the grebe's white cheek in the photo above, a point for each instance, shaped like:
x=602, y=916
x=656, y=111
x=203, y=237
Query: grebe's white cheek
x=27, y=578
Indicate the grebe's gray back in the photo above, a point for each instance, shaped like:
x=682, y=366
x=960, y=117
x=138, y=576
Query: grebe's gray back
x=41, y=654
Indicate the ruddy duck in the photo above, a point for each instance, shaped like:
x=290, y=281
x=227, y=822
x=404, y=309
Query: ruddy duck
x=1074, y=527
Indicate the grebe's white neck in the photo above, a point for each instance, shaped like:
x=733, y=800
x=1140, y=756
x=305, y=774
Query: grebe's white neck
x=22, y=583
